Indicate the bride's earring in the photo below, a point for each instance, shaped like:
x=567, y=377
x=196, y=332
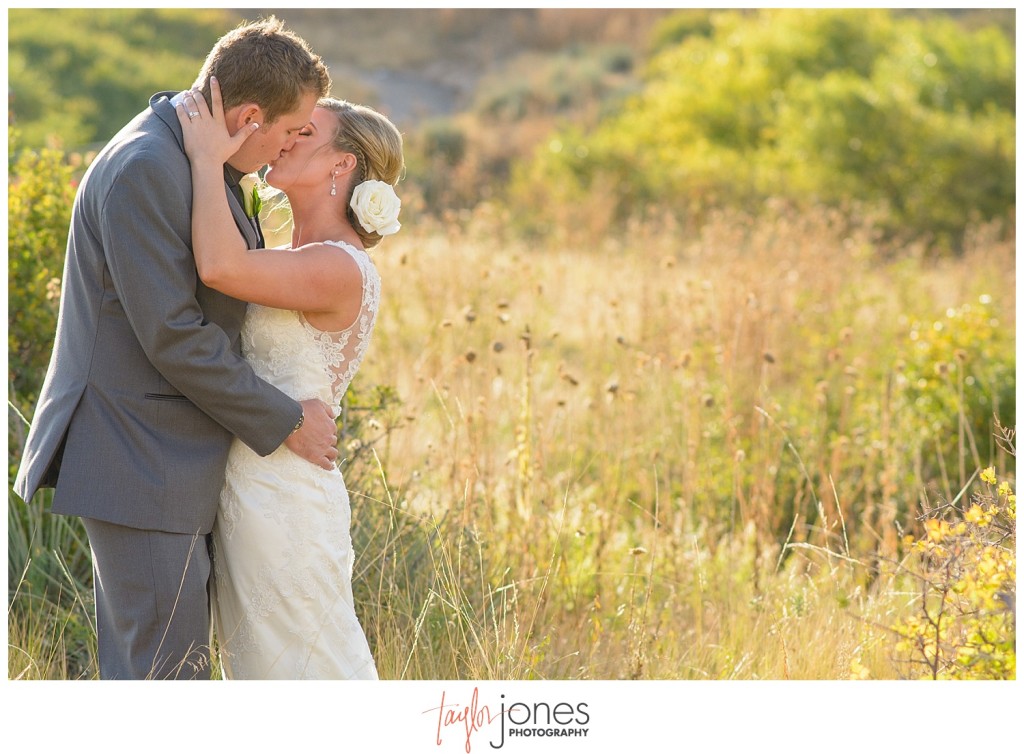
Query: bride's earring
x=334, y=188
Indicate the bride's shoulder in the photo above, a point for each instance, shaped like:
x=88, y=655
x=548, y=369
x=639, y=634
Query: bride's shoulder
x=354, y=253
x=330, y=246
x=349, y=247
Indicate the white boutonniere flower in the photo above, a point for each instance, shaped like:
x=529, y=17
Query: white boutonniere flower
x=251, y=199
x=376, y=206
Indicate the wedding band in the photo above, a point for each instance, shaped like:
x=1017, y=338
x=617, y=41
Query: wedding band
x=193, y=114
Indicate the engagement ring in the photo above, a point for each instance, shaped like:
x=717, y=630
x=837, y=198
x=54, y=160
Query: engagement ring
x=193, y=114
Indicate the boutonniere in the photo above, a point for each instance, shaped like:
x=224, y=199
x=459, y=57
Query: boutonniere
x=252, y=202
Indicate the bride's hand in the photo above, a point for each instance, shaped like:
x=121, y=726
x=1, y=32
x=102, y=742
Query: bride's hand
x=206, y=135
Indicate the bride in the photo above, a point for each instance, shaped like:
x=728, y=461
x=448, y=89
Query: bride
x=282, y=603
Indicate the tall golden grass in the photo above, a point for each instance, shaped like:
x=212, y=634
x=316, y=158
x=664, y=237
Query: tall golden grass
x=690, y=454
x=686, y=455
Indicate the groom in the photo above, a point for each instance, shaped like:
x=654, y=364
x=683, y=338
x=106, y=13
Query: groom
x=146, y=386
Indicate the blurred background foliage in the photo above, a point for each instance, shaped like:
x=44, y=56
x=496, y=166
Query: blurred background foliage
x=77, y=75
x=556, y=113
x=913, y=116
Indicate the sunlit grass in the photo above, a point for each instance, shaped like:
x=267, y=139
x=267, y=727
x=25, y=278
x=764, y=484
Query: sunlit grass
x=689, y=455
x=678, y=457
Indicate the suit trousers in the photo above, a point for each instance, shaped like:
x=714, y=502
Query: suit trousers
x=152, y=602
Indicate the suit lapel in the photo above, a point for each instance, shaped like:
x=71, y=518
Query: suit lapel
x=260, y=240
x=161, y=105
x=244, y=223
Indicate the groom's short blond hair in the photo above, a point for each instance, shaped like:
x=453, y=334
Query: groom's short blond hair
x=264, y=63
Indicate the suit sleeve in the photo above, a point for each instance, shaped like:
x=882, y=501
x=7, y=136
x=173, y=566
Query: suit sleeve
x=146, y=227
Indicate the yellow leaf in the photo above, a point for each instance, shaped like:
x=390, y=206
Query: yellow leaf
x=936, y=530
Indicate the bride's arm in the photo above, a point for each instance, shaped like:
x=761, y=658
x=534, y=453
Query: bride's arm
x=316, y=279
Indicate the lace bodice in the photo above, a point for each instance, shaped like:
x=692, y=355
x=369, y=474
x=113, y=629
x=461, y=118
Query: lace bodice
x=302, y=361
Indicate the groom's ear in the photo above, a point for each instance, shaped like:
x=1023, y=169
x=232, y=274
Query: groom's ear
x=242, y=116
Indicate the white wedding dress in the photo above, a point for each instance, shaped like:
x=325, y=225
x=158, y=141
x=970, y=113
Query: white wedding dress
x=282, y=598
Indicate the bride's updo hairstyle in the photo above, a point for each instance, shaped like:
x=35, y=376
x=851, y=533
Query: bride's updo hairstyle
x=377, y=146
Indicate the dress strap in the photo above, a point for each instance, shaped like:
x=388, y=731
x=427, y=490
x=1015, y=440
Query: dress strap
x=353, y=250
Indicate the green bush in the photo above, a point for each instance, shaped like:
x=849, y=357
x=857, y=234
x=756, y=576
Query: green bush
x=566, y=82
x=76, y=75
x=40, y=193
x=958, y=373
x=673, y=29
x=913, y=117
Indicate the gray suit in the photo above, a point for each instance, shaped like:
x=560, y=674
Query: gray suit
x=146, y=385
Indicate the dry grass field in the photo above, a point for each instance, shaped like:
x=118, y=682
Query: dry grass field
x=690, y=455
x=679, y=457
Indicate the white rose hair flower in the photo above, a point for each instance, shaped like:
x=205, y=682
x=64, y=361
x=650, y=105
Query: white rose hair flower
x=376, y=206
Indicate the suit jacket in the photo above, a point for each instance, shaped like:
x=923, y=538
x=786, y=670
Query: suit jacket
x=146, y=384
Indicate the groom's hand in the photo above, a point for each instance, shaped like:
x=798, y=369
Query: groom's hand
x=316, y=440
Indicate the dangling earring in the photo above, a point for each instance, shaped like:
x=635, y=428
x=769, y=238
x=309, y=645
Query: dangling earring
x=334, y=188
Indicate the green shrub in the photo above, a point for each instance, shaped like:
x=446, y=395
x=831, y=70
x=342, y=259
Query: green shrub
x=958, y=373
x=675, y=28
x=913, y=117
x=40, y=192
x=78, y=75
